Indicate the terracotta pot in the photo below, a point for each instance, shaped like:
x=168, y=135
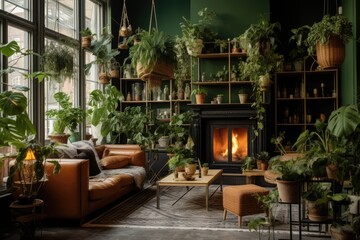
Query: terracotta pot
x=200, y=98
x=330, y=54
x=332, y=172
x=61, y=138
x=86, y=41
x=318, y=212
x=288, y=191
x=115, y=74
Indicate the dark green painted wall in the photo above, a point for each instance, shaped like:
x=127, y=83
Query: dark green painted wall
x=234, y=16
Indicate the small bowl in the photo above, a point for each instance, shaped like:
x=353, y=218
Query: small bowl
x=188, y=177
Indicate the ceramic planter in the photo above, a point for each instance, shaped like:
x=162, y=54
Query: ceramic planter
x=196, y=49
x=243, y=98
x=164, y=141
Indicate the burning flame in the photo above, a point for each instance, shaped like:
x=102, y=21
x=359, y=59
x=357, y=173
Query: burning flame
x=239, y=144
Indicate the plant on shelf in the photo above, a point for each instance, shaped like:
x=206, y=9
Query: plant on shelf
x=248, y=163
x=243, y=95
x=199, y=94
x=262, y=160
x=261, y=62
x=86, y=37
x=66, y=117
x=329, y=34
x=193, y=33
x=100, y=48
x=154, y=58
x=58, y=60
x=115, y=69
x=222, y=44
x=223, y=74
x=299, y=49
x=317, y=198
x=184, y=63
x=162, y=132
x=28, y=172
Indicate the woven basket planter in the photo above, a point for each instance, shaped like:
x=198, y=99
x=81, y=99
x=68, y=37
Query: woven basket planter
x=330, y=54
x=160, y=71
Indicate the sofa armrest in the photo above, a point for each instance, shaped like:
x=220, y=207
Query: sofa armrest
x=66, y=195
x=134, y=152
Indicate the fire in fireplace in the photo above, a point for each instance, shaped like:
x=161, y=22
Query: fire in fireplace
x=230, y=140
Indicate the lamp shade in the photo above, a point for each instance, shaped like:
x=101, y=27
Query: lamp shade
x=30, y=155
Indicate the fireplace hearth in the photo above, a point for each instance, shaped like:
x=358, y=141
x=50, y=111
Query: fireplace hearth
x=224, y=135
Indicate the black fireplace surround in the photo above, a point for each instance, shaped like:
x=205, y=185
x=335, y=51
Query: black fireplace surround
x=206, y=117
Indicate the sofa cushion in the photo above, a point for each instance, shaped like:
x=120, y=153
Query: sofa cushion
x=86, y=145
x=116, y=161
x=100, y=150
x=94, y=168
x=105, y=186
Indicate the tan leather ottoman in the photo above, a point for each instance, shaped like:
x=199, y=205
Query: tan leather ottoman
x=241, y=201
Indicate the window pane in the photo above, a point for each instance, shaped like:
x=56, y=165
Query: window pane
x=60, y=16
x=20, y=64
x=93, y=21
x=66, y=84
x=20, y=8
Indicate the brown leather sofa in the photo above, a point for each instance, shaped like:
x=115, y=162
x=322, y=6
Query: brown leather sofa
x=73, y=195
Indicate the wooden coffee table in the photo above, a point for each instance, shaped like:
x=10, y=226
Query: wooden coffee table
x=204, y=181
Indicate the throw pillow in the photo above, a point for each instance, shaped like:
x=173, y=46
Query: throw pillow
x=100, y=150
x=87, y=145
x=66, y=151
x=94, y=168
x=114, y=162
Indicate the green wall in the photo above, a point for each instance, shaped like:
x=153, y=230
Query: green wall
x=234, y=16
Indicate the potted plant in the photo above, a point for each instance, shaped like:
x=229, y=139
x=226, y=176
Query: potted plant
x=316, y=195
x=154, y=58
x=66, y=117
x=100, y=48
x=200, y=94
x=243, y=95
x=261, y=62
x=219, y=98
x=86, y=37
x=248, y=163
x=290, y=173
x=178, y=128
x=204, y=169
x=115, y=69
x=177, y=161
x=222, y=44
x=299, y=49
x=223, y=74
x=193, y=33
x=58, y=60
x=262, y=160
x=184, y=63
x=328, y=38
x=162, y=133
x=28, y=172
x=103, y=108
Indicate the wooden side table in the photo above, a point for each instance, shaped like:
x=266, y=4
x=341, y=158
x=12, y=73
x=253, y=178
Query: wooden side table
x=27, y=217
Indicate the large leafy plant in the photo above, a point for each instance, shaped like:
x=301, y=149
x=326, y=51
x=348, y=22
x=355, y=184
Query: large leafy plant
x=321, y=31
x=155, y=45
x=66, y=116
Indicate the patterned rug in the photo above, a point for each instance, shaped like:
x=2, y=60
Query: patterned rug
x=188, y=212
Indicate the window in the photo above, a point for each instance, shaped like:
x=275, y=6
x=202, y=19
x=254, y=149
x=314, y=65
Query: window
x=60, y=16
x=20, y=8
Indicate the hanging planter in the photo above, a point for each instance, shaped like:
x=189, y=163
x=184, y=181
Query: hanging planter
x=125, y=26
x=332, y=53
x=154, y=58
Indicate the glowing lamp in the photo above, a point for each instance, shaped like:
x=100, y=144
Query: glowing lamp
x=30, y=155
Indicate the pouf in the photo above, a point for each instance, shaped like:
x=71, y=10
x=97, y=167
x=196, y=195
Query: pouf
x=241, y=201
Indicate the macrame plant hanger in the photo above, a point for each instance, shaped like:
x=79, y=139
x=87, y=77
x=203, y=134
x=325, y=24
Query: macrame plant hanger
x=153, y=15
x=125, y=29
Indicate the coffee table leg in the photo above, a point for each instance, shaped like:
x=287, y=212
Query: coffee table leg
x=157, y=196
x=207, y=198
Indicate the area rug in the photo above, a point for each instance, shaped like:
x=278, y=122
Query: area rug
x=179, y=209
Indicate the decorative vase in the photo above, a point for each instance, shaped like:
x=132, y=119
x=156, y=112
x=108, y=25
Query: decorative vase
x=190, y=169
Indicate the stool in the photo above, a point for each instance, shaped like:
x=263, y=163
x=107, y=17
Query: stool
x=241, y=201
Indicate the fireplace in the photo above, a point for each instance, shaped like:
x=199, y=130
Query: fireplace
x=224, y=134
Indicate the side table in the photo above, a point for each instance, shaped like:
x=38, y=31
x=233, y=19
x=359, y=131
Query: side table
x=27, y=217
